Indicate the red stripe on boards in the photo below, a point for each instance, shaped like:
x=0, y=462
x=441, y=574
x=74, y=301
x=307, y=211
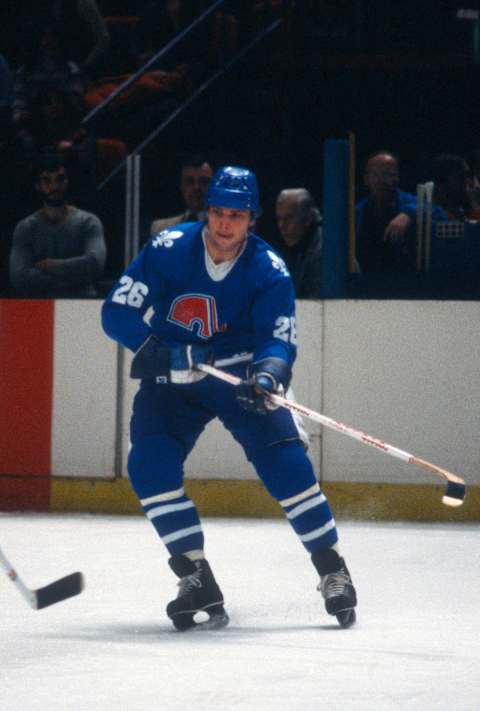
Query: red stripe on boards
x=26, y=384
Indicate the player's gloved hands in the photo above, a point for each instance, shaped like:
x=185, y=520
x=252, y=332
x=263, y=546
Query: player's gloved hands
x=177, y=364
x=267, y=376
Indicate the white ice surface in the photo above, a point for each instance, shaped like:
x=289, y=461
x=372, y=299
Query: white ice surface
x=416, y=645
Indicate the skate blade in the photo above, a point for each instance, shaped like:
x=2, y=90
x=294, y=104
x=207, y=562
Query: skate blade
x=346, y=618
x=186, y=622
x=214, y=622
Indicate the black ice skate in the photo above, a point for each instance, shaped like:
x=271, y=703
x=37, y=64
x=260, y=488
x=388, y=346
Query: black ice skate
x=336, y=586
x=198, y=592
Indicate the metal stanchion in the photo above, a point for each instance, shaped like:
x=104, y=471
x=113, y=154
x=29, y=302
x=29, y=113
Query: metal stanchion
x=132, y=247
x=420, y=222
x=428, y=224
x=132, y=207
x=424, y=225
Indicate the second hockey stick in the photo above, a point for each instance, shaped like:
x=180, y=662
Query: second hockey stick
x=59, y=590
x=455, y=492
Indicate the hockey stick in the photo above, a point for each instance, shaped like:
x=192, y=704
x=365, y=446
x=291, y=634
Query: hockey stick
x=57, y=591
x=455, y=491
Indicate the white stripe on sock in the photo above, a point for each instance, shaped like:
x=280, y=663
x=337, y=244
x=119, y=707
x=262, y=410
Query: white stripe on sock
x=318, y=532
x=182, y=533
x=310, y=504
x=169, y=508
x=167, y=496
x=315, y=489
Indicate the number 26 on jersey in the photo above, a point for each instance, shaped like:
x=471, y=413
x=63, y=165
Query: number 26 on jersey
x=130, y=292
x=286, y=329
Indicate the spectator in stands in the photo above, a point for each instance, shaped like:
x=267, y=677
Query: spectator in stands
x=158, y=23
x=47, y=66
x=195, y=175
x=59, y=250
x=55, y=126
x=385, y=219
x=82, y=33
x=61, y=41
x=450, y=175
x=300, y=226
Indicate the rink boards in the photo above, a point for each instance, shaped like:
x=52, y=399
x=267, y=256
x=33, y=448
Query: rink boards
x=405, y=372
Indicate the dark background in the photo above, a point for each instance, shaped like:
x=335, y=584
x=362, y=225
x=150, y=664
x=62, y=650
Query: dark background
x=404, y=76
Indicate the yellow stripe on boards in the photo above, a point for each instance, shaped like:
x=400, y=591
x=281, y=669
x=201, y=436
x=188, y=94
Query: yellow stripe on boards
x=248, y=498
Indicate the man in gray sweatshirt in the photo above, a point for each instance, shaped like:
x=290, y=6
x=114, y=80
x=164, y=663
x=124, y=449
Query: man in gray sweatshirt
x=58, y=251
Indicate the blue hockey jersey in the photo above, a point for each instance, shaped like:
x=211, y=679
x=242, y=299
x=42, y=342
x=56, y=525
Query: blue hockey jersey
x=246, y=309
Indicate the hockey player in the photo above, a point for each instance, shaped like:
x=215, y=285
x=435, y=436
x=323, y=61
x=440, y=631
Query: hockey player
x=220, y=295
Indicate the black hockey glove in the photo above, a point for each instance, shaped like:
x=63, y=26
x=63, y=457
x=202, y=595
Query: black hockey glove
x=155, y=362
x=270, y=375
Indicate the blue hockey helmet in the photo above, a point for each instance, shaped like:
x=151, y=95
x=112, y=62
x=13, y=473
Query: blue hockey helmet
x=235, y=188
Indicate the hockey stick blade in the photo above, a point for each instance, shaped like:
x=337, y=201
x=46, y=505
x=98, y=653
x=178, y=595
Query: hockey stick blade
x=61, y=589
x=454, y=494
x=57, y=591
